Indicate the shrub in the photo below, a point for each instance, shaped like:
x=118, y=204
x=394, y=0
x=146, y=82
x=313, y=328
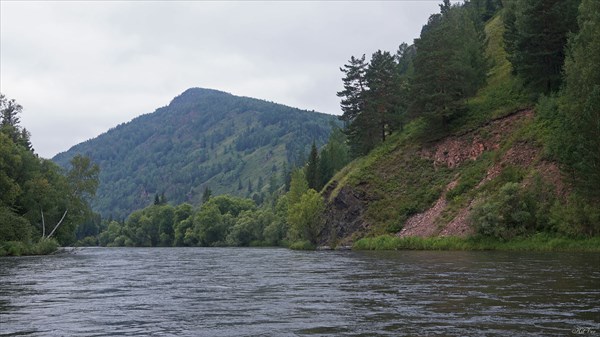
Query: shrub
x=44, y=246
x=302, y=245
x=576, y=217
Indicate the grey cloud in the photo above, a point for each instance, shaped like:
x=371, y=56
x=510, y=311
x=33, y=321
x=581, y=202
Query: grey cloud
x=79, y=68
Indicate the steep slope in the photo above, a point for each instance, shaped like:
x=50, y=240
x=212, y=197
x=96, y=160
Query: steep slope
x=203, y=138
x=415, y=186
x=430, y=189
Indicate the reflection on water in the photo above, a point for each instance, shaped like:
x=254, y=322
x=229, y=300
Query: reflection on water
x=277, y=292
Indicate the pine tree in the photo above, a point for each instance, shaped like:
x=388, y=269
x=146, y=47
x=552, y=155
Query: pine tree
x=312, y=169
x=353, y=104
x=449, y=66
x=581, y=100
x=206, y=195
x=383, y=81
x=10, y=120
x=536, y=36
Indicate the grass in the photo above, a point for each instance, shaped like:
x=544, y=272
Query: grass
x=18, y=248
x=544, y=242
x=503, y=93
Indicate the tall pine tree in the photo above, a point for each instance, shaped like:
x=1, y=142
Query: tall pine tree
x=312, y=169
x=449, y=66
x=581, y=98
x=535, y=38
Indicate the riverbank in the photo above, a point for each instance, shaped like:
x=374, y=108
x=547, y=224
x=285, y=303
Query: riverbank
x=538, y=242
x=18, y=248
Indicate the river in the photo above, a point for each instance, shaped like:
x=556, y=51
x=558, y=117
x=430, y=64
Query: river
x=279, y=292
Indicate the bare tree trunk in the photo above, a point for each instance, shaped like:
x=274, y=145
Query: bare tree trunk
x=58, y=224
x=43, y=224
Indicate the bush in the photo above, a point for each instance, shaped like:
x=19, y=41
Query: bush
x=504, y=215
x=88, y=241
x=14, y=248
x=302, y=245
x=44, y=247
x=577, y=217
x=306, y=217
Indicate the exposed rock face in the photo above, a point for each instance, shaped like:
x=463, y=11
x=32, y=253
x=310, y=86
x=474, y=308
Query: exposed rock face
x=455, y=150
x=345, y=213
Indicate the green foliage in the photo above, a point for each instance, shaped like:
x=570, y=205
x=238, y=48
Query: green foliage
x=312, y=169
x=334, y=156
x=449, y=66
x=13, y=227
x=222, y=221
x=581, y=101
x=575, y=218
x=302, y=245
x=503, y=93
x=17, y=248
x=202, y=138
x=539, y=242
x=514, y=210
x=536, y=36
x=374, y=97
x=305, y=217
x=37, y=200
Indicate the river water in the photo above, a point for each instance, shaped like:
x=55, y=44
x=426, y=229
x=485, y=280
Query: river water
x=278, y=292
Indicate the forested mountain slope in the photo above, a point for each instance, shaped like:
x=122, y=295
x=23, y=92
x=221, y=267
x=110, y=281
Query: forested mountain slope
x=202, y=139
x=512, y=157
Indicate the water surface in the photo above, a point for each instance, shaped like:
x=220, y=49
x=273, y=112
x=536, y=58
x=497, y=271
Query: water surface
x=278, y=292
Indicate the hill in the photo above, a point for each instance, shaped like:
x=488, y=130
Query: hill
x=202, y=139
x=491, y=174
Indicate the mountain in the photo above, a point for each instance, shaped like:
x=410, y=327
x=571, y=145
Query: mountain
x=203, y=139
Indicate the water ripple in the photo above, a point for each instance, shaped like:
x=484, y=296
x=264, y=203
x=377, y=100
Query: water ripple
x=277, y=292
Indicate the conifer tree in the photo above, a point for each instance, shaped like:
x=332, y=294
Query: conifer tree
x=312, y=169
x=581, y=100
x=382, y=79
x=536, y=35
x=449, y=66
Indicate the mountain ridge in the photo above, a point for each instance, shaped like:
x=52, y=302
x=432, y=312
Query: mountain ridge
x=204, y=138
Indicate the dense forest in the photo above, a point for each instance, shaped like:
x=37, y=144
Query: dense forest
x=485, y=130
x=41, y=205
x=204, y=139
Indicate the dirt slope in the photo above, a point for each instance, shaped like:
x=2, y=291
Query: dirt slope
x=347, y=213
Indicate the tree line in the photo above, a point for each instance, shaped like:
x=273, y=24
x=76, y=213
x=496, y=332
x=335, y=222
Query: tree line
x=40, y=204
x=289, y=214
x=431, y=78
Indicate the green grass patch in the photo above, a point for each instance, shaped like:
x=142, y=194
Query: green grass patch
x=18, y=248
x=302, y=245
x=503, y=93
x=538, y=242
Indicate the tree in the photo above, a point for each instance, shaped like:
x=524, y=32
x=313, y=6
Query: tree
x=449, y=66
x=206, y=195
x=82, y=179
x=298, y=186
x=306, y=217
x=10, y=120
x=382, y=79
x=536, y=36
x=353, y=105
x=334, y=155
x=312, y=169
x=581, y=100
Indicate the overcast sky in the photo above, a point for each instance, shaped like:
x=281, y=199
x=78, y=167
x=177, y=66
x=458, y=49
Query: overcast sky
x=79, y=68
